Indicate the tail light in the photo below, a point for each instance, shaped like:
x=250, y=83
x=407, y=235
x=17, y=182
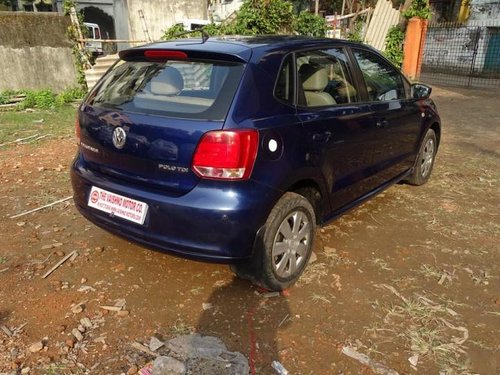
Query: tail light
x=77, y=129
x=226, y=155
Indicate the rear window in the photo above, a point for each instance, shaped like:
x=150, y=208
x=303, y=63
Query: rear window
x=182, y=89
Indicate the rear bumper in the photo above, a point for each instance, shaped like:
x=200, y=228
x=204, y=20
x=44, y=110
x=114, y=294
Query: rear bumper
x=216, y=221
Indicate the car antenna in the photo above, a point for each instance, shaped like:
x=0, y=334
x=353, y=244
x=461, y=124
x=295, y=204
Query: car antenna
x=204, y=34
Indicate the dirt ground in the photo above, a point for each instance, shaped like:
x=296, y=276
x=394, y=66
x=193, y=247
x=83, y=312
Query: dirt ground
x=411, y=278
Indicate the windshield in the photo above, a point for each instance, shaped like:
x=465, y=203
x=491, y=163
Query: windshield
x=183, y=89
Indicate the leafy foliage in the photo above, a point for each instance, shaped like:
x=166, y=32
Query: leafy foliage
x=174, y=31
x=310, y=24
x=394, y=45
x=263, y=17
x=43, y=99
x=355, y=35
x=81, y=56
x=418, y=8
x=257, y=17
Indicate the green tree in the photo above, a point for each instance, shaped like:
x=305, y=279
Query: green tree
x=394, y=45
x=264, y=17
x=418, y=8
x=309, y=24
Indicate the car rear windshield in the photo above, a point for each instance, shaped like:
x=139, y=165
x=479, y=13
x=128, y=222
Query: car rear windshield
x=182, y=89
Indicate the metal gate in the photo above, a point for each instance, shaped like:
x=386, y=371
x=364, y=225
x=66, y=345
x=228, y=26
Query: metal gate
x=462, y=55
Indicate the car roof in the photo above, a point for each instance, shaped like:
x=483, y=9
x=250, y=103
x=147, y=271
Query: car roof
x=242, y=46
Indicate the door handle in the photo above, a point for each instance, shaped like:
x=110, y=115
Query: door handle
x=322, y=137
x=382, y=123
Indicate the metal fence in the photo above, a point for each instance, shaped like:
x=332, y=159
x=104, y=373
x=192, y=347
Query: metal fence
x=462, y=55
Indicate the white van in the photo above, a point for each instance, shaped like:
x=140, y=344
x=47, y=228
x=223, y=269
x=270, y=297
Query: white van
x=194, y=24
x=94, y=32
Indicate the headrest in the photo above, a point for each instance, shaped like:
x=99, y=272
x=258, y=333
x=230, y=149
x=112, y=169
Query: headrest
x=168, y=82
x=314, y=77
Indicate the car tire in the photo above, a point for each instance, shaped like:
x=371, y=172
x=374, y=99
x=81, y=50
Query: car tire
x=284, y=246
x=425, y=160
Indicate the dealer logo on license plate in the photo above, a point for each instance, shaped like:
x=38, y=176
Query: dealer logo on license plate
x=118, y=205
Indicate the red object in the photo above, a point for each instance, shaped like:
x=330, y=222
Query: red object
x=165, y=55
x=226, y=155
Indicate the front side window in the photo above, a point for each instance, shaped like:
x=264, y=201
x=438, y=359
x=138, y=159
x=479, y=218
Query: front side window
x=383, y=82
x=183, y=89
x=325, y=78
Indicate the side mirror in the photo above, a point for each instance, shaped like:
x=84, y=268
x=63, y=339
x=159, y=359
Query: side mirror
x=420, y=91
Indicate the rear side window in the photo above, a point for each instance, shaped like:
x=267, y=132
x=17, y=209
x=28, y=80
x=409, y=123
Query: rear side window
x=182, y=89
x=284, y=89
x=325, y=78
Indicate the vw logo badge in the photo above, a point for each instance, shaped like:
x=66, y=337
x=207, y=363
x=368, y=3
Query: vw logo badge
x=119, y=137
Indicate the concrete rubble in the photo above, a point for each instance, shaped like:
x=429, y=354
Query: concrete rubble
x=196, y=354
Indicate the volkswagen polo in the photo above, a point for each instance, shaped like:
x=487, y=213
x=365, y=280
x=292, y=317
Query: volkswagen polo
x=235, y=149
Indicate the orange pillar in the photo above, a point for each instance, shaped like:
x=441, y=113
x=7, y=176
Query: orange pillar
x=414, y=47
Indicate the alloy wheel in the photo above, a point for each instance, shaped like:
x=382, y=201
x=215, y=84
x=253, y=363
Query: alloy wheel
x=291, y=244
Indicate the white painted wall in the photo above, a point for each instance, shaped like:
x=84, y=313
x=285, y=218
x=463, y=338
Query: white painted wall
x=221, y=9
x=455, y=46
x=161, y=14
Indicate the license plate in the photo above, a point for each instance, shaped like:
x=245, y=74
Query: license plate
x=118, y=205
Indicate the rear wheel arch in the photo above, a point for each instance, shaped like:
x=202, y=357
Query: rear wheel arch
x=312, y=191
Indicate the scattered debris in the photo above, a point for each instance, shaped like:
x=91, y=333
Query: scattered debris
x=147, y=370
x=200, y=353
x=86, y=288
x=271, y=294
x=78, y=335
x=279, y=368
x=36, y=347
x=58, y=264
x=41, y=208
x=413, y=360
x=73, y=256
x=138, y=346
x=77, y=309
x=19, y=140
x=206, y=306
x=111, y=308
x=86, y=322
x=376, y=367
x=132, y=370
x=155, y=344
x=6, y=330
x=168, y=366
x=284, y=320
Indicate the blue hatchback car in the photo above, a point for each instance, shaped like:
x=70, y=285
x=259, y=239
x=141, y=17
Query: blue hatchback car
x=234, y=149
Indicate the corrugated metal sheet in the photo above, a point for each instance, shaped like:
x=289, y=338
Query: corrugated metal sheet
x=383, y=18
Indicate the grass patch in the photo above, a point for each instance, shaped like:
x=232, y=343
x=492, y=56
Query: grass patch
x=427, y=329
x=437, y=274
x=181, y=328
x=57, y=122
x=313, y=273
x=380, y=263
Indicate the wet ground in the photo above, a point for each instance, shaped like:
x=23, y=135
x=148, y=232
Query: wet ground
x=412, y=274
